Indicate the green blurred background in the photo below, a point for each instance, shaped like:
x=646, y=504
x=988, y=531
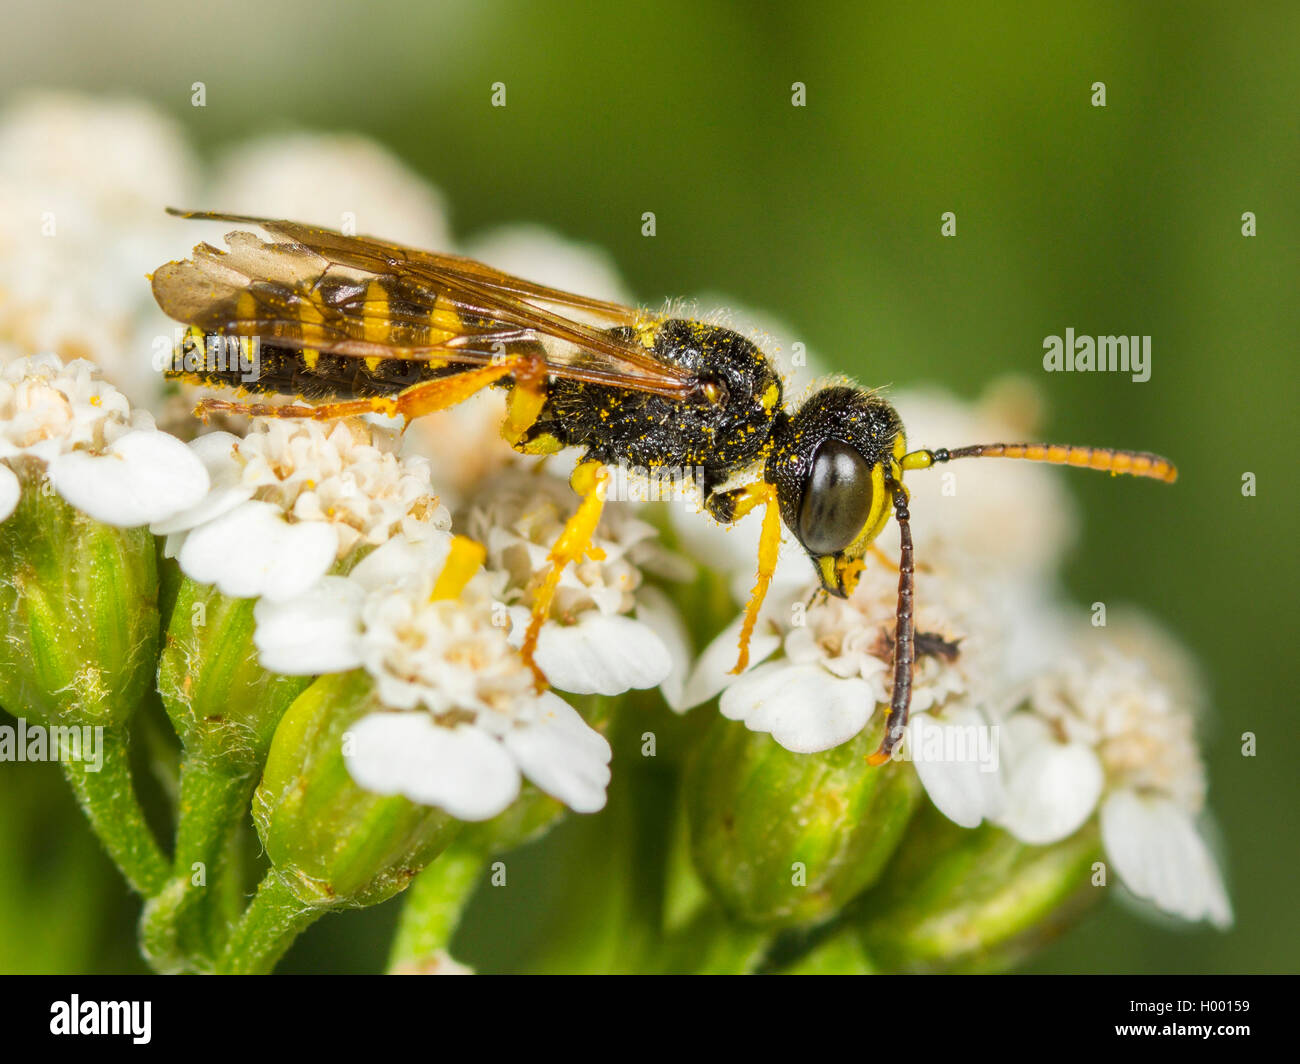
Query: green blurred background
x=1122, y=220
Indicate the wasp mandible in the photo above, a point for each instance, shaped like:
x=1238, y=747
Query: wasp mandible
x=351, y=325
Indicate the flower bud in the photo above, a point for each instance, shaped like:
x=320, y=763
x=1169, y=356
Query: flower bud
x=78, y=612
x=221, y=701
x=960, y=899
x=333, y=843
x=782, y=838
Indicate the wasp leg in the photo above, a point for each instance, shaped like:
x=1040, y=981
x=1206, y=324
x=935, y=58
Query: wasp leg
x=464, y=560
x=729, y=506
x=900, y=699
x=412, y=402
x=590, y=480
x=524, y=407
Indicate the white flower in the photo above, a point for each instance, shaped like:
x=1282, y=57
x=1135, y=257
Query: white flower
x=835, y=673
x=594, y=641
x=342, y=181
x=291, y=499
x=537, y=254
x=956, y=755
x=998, y=520
x=100, y=455
x=119, y=156
x=1103, y=733
x=850, y=642
x=84, y=181
x=463, y=722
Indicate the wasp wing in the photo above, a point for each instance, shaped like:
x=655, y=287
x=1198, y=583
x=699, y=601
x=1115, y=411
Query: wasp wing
x=358, y=296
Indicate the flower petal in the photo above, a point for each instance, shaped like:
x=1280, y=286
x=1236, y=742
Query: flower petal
x=142, y=476
x=563, y=755
x=225, y=491
x=461, y=770
x=956, y=758
x=1162, y=858
x=253, y=551
x=400, y=557
x=1051, y=791
x=805, y=708
x=656, y=611
x=601, y=655
x=311, y=633
x=712, y=670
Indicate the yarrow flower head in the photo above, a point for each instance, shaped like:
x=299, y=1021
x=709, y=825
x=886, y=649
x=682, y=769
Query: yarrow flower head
x=835, y=666
x=606, y=632
x=462, y=720
x=833, y=674
x=75, y=239
x=1103, y=733
x=292, y=498
x=99, y=454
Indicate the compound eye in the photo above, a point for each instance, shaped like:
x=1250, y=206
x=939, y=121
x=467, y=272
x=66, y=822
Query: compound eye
x=836, y=500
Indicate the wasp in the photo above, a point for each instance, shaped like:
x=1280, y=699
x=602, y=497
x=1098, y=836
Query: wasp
x=350, y=325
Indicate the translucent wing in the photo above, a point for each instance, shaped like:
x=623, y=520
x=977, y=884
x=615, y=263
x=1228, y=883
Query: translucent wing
x=314, y=288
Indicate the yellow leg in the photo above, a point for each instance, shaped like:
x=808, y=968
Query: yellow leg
x=769, y=547
x=463, y=560
x=418, y=399
x=591, y=481
x=527, y=398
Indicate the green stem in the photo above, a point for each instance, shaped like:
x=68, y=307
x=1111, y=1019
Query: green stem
x=111, y=805
x=212, y=802
x=181, y=930
x=709, y=944
x=433, y=907
x=840, y=953
x=159, y=937
x=274, y=918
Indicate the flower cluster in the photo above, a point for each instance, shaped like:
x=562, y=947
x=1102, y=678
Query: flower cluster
x=461, y=716
x=291, y=499
x=69, y=425
x=600, y=637
x=1103, y=734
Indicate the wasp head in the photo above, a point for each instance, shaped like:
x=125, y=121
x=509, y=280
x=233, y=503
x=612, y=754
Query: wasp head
x=831, y=462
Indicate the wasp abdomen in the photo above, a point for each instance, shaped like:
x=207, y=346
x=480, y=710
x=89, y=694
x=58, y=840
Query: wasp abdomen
x=266, y=369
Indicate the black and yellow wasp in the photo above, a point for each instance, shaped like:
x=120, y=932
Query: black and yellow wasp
x=353, y=325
